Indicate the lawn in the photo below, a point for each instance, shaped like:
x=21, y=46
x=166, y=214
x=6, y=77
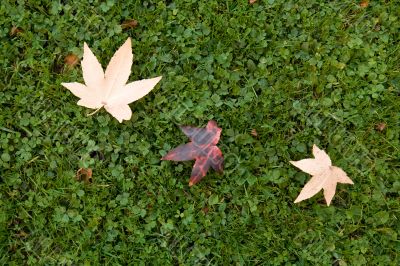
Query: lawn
x=277, y=76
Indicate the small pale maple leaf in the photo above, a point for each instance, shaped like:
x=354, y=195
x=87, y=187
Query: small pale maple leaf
x=324, y=176
x=202, y=148
x=109, y=89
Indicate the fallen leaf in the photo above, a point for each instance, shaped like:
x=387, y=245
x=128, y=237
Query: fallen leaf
x=381, y=126
x=85, y=175
x=252, y=1
x=324, y=176
x=109, y=89
x=129, y=24
x=71, y=60
x=202, y=148
x=364, y=3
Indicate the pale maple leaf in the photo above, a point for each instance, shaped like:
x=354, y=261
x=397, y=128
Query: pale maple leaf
x=324, y=176
x=109, y=89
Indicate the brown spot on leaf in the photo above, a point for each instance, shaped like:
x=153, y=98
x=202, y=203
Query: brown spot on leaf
x=129, y=24
x=252, y=1
x=84, y=175
x=205, y=210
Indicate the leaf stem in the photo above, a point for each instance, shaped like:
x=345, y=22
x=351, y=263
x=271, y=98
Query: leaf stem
x=92, y=113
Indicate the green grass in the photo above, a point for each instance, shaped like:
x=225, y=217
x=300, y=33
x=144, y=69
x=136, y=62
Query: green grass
x=299, y=72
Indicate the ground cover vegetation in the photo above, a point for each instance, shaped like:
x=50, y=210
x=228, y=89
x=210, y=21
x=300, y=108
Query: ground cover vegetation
x=277, y=76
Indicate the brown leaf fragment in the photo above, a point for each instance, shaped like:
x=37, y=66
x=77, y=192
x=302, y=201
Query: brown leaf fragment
x=205, y=210
x=22, y=234
x=252, y=1
x=254, y=132
x=84, y=175
x=71, y=60
x=15, y=30
x=364, y=3
x=129, y=24
x=380, y=126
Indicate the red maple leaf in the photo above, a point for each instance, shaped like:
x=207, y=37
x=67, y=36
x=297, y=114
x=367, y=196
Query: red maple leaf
x=202, y=148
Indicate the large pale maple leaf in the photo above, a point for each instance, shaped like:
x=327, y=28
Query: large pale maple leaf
x=324, y=176
x=109, y=89
x=202, y=148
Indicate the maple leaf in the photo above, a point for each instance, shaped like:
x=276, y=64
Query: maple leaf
x=324, y=176
x=202, y=148
x=109, y=89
